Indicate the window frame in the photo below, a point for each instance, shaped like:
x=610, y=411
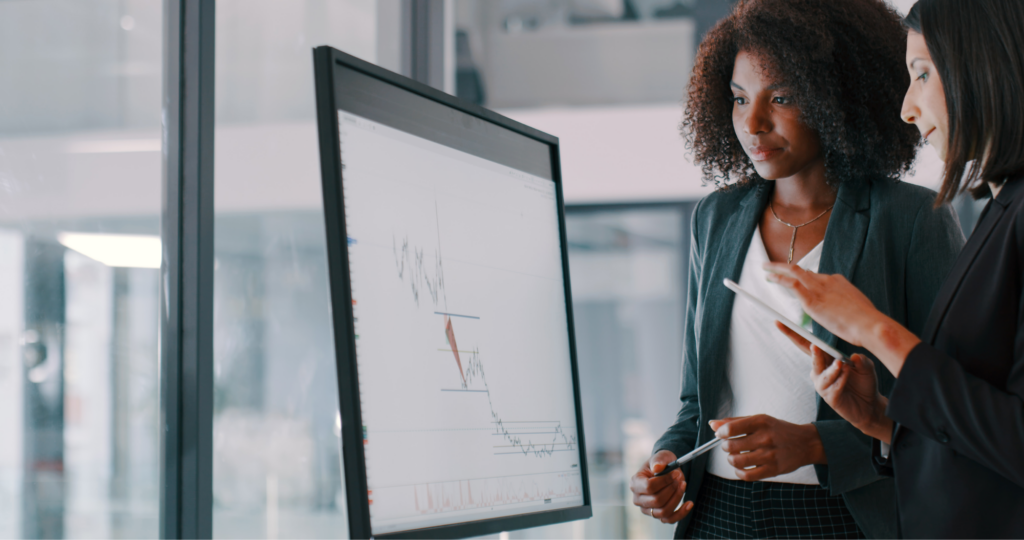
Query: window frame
x=187, y=266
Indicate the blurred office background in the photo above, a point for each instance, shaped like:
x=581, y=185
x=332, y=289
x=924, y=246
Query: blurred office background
x=80, y=203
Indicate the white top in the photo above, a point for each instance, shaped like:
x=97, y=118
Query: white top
x=767, y=373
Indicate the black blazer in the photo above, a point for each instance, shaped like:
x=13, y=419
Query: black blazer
x=889, y=241
x=958, y=447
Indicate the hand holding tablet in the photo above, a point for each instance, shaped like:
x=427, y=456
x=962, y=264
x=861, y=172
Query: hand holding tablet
x=829, y=350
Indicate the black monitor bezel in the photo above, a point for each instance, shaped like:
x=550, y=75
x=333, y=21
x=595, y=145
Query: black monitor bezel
x=326, y=59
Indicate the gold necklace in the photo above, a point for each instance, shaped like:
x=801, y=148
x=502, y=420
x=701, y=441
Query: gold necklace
x=792, y=241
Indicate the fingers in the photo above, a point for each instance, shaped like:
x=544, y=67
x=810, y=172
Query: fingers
x=743, y=443
x=659, y=461
x=659, y=500
x=819, y=361
x=663, y=498
x=645, y=483
x=840, y=384
x=744, y=425
x=826, y=377
x=788, y=282
x=669, y=507
x=757, y=473
x=638, y=483
x=785, y=270
x=679, y=514
x=862, y=363
x=754, y=458
x=797, y=340
x=649, y=486
x=715, y=424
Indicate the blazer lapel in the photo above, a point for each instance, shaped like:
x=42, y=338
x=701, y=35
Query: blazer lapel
x=726, y=262
x=844, y=238
x=986, y=223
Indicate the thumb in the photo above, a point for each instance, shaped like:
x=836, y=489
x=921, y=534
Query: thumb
x=861, y=362
x=661, y=460
x=715, y=424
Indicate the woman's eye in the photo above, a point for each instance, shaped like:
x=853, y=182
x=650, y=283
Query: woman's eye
x=781, y=100
x=923, y=76
x=739, y=100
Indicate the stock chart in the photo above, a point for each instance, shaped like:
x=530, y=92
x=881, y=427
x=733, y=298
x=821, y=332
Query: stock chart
x=462, y=341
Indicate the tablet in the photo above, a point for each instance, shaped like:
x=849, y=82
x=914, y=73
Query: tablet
x=735, y=287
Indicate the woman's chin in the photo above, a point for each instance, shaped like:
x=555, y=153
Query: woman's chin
x=768, y=173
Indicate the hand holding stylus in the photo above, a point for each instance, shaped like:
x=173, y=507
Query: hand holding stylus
x=660, y=496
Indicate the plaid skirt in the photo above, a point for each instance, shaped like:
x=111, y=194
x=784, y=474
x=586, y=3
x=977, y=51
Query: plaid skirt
x=736, y=509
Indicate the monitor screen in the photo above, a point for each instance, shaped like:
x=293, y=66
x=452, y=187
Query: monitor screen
x=467, y=394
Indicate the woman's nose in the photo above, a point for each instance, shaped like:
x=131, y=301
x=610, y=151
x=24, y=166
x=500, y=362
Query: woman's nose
x=910, y=112
x=758, y=120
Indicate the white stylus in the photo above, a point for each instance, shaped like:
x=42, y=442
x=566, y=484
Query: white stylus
x=688, y=457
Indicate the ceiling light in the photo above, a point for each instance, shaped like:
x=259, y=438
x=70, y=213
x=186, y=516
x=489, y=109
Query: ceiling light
x=114, y=146
x=122, y=250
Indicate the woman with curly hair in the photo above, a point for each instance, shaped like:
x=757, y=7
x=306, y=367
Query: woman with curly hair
x=794, y=113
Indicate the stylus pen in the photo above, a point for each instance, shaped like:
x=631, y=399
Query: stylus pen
x=688, y=457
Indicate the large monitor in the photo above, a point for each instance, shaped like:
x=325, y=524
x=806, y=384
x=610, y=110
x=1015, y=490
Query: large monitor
x=457, y=374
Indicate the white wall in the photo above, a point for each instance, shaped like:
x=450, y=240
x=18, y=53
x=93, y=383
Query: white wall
x=609, y=153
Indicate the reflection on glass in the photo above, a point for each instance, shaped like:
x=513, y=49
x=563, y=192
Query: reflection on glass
x=628, y=269
x=79, y=173
x=277, y=470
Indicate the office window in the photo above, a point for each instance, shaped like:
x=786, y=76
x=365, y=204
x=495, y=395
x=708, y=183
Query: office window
x=526, y=54
x=80, y=176
x=276, y=468
x=628, y=267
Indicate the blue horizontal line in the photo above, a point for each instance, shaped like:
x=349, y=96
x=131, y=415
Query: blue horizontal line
x=532, y=452
x=528, y=433
x=455, y=315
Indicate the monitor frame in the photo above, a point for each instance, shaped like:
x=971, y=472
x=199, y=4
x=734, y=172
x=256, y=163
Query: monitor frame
x=326, y=60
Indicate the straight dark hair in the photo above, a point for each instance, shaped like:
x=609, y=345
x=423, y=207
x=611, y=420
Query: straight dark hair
x=978, y=49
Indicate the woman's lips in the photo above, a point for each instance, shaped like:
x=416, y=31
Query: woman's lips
x=929, y=134
x=763, y=153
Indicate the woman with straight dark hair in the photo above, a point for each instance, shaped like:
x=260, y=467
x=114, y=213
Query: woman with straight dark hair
x=793, y=112
x=952, y=429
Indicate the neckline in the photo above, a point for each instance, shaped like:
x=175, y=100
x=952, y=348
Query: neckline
x=764, y=250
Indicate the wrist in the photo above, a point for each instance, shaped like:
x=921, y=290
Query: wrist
x=890, y=341
x=879, y=426
x=876, y=334
x=815, y=448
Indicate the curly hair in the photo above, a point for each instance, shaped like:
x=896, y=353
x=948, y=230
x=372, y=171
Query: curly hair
x=841, y=60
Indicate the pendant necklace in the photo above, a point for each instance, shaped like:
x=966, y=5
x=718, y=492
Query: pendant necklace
x=792, y=241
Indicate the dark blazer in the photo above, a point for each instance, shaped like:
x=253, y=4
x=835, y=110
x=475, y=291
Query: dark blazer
x=958, y=447
x=886, y=238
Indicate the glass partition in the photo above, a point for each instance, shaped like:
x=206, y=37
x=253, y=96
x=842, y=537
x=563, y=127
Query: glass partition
x=80, y=176
x=276, y=468
x=628, y=267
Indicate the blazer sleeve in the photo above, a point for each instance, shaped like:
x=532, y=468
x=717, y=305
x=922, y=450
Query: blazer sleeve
x=935, y=242
x=938, y=399
x=681, y=437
